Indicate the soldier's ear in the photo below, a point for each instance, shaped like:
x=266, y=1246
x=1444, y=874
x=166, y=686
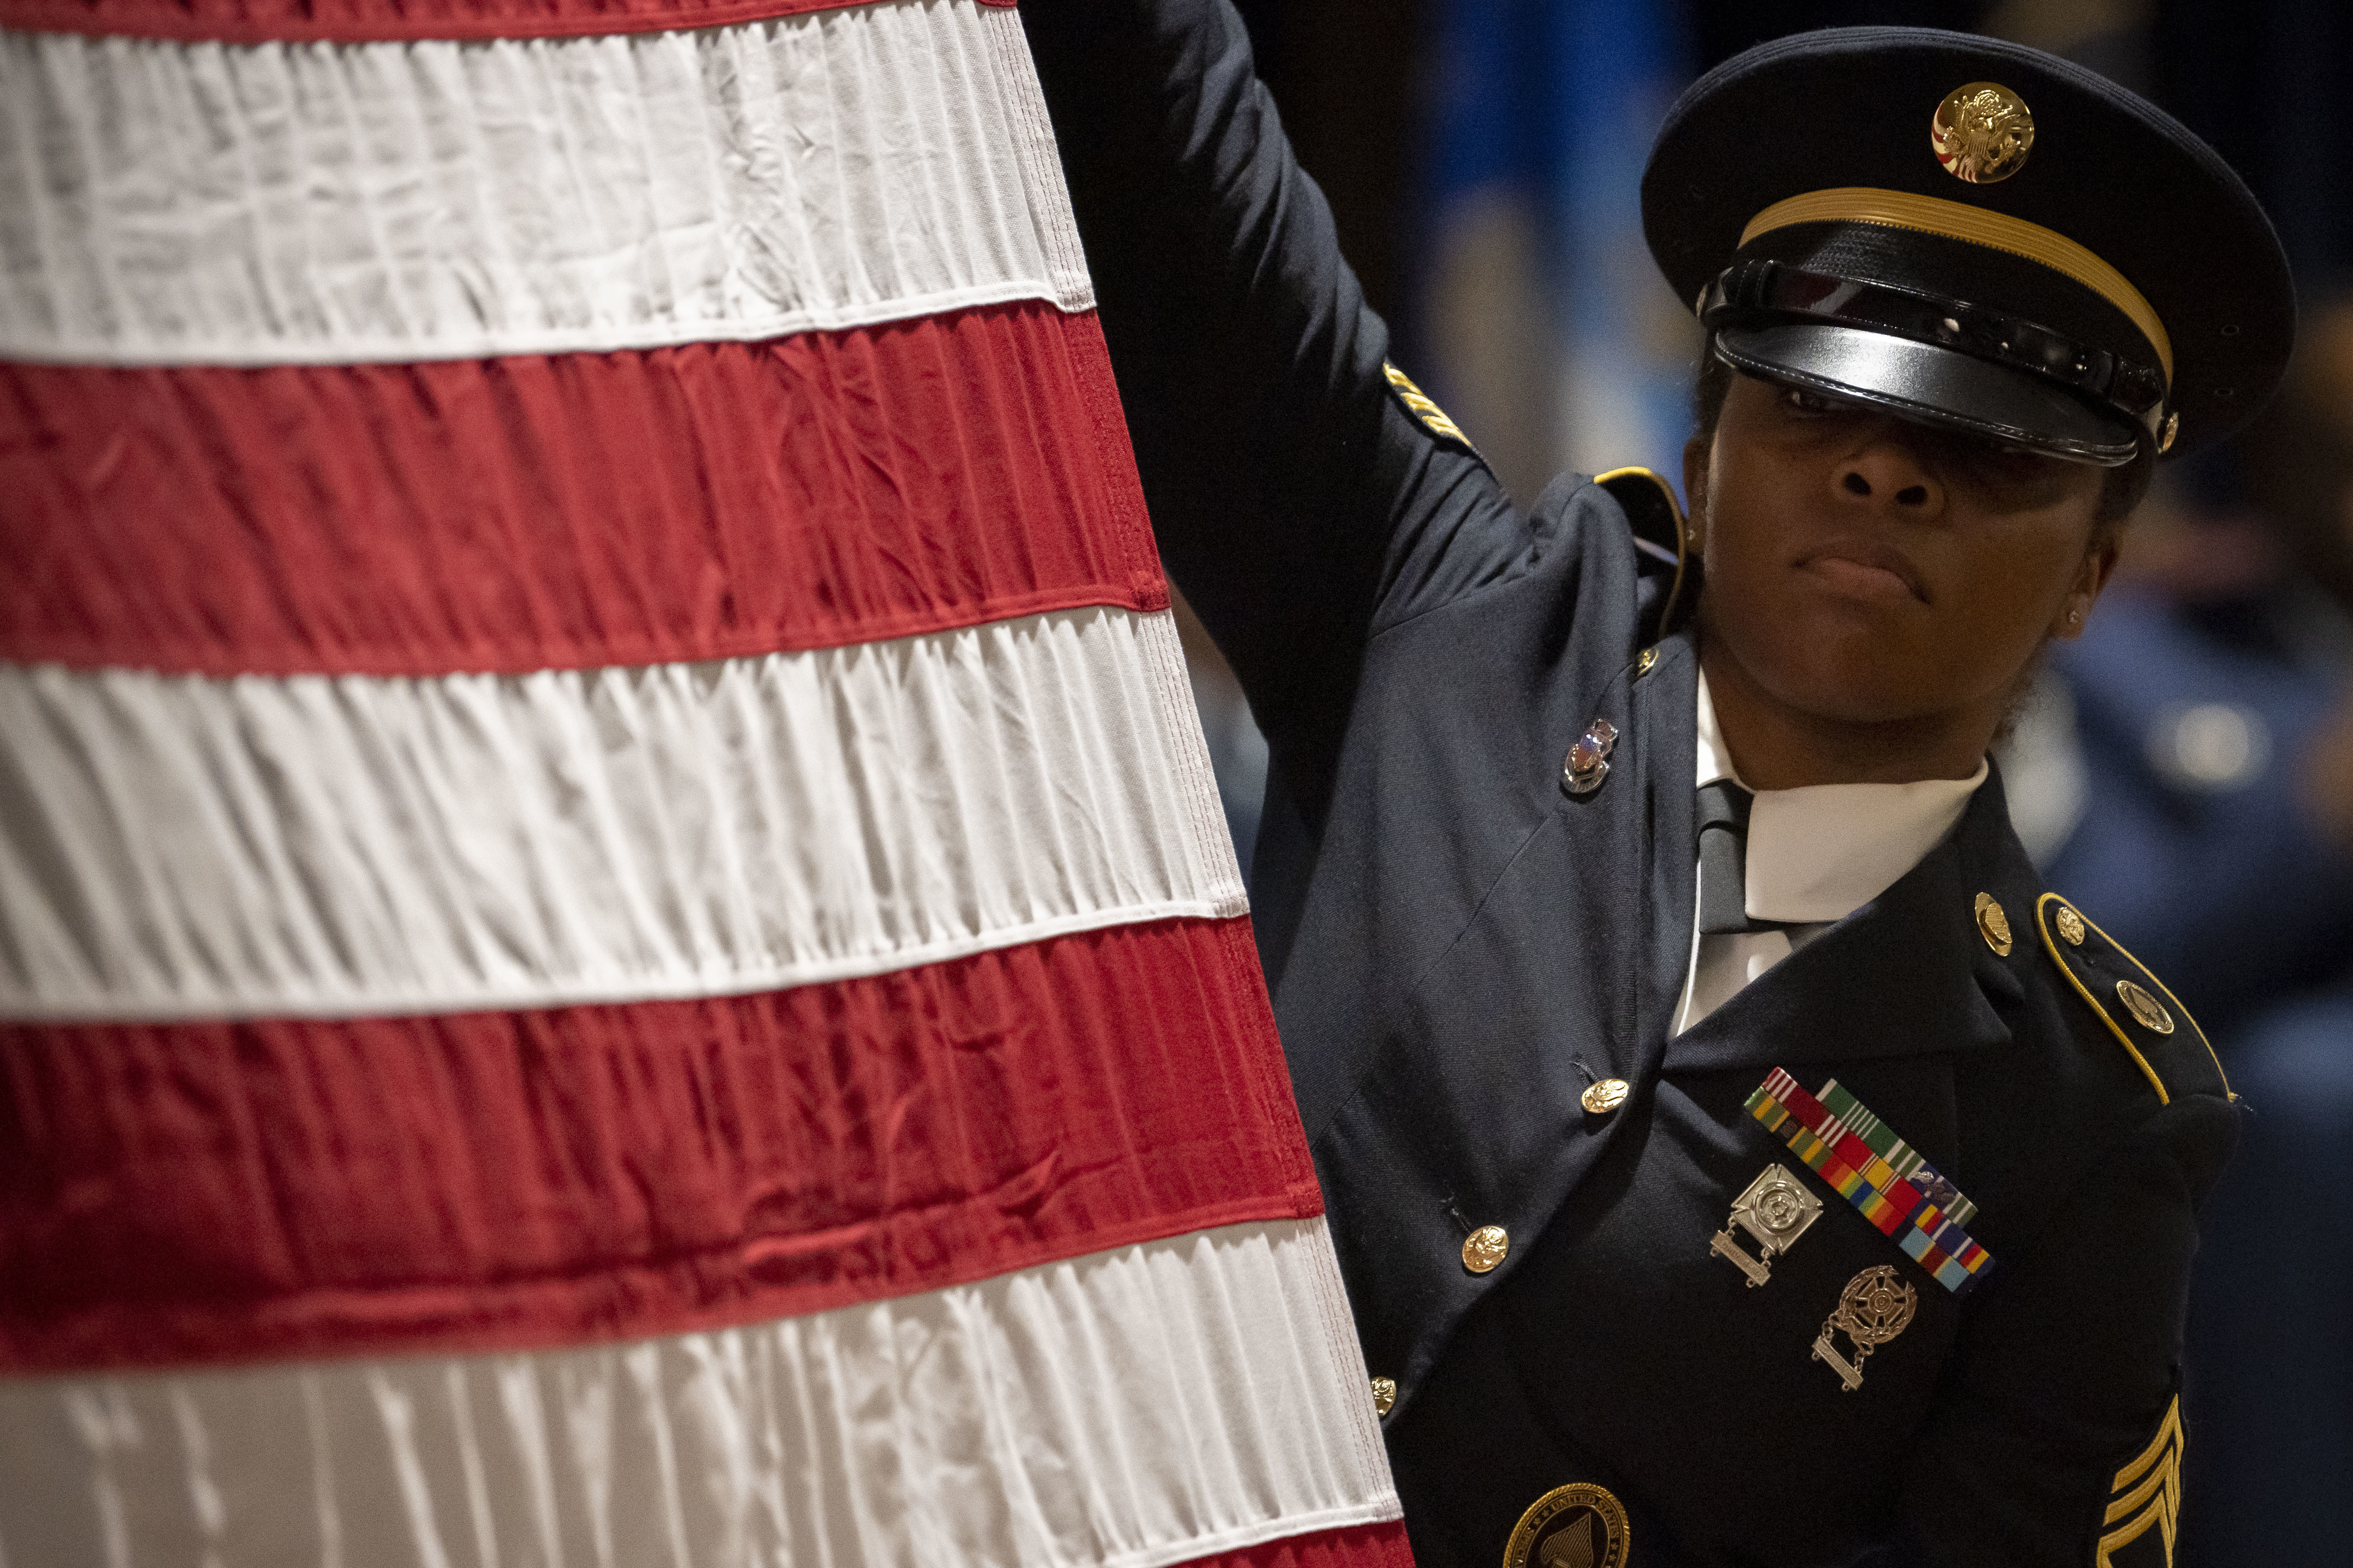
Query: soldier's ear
x=2098, y=564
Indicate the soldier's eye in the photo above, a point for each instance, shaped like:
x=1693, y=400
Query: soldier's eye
x=1804, y=400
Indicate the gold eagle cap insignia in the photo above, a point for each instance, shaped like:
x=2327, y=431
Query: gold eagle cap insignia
x=1981, y=133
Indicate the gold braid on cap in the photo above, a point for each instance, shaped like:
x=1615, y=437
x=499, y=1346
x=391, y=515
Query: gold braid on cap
x=1976, y=225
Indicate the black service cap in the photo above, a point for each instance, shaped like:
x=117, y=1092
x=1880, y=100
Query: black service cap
x=1972, y=234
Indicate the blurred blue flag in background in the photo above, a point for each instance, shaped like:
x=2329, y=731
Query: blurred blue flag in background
x=1539, y=318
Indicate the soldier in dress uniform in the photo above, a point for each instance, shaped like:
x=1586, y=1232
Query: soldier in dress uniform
x=1734, y=1155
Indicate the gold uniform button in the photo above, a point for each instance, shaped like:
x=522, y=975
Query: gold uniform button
x=1605, y=1097
x=2070, y=926
x=1993, y=924
x=1485, y=1248
x=1643, y=664
x=2143, y=1006
x=1384, y=1395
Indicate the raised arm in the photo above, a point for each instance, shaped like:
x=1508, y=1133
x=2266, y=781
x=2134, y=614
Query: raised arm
x=1296, y=499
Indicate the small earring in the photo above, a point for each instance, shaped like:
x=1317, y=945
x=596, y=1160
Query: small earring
x=2075, y=617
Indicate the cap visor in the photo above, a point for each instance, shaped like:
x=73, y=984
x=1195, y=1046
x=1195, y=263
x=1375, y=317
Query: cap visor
x=1930, y=385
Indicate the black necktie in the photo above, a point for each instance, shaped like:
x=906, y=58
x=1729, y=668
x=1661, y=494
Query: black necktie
x=1724, y=809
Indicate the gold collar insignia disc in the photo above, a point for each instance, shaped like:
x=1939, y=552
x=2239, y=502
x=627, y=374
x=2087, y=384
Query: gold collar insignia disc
x=2146, y=1009
x=1993, y=924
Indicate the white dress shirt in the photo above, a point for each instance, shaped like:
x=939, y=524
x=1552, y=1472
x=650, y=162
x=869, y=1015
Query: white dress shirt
x=1815, y=855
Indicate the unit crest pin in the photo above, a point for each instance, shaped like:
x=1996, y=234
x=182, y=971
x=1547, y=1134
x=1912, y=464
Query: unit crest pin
x=1587, y=762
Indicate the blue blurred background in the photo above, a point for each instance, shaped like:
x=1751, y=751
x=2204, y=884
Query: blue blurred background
x=2185, y=773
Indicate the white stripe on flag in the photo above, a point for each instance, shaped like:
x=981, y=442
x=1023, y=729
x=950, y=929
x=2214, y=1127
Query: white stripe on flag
x=1127, y=1409
x=178, y=846
x=168, y=202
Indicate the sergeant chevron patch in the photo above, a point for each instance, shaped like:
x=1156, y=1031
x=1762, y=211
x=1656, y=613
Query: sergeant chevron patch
x=2146, y=1495
x=1418, y=403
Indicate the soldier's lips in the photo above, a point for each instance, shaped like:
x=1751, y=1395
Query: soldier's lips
x=1867, y=569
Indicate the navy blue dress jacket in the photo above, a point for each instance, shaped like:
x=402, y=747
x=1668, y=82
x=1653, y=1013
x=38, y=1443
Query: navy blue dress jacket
x=1457, y=946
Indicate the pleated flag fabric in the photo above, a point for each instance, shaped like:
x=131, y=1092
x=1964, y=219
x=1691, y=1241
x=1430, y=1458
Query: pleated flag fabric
x=616, y=942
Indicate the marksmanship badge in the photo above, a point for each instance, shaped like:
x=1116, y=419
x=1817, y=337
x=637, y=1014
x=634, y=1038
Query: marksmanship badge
x=1776, y=1211
x=1873, y=1309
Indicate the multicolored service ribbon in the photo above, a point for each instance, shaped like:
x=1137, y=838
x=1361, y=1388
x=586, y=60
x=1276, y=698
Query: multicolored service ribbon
x=1902, y=1158
x=1898, y=1191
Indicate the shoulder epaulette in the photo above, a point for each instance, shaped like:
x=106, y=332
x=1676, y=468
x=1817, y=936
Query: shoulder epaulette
x=1418, y=403
x=1650, y=508
x=1655, y=518
x=2155, y=1029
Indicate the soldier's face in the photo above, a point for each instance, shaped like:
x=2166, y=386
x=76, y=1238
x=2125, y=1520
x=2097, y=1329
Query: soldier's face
x=1865, y=569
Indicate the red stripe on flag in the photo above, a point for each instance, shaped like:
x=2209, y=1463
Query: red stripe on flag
x=363, y=21
x=499, y=1181
x=1379, y=1545
x=569, y=510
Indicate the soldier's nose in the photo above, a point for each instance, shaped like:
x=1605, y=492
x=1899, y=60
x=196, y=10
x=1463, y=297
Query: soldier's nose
x=1857, y=483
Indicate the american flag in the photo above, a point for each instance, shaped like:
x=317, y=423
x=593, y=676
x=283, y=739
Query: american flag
x=615, y=940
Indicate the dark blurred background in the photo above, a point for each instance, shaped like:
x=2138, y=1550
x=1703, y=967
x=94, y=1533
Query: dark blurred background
x=2184, y=773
